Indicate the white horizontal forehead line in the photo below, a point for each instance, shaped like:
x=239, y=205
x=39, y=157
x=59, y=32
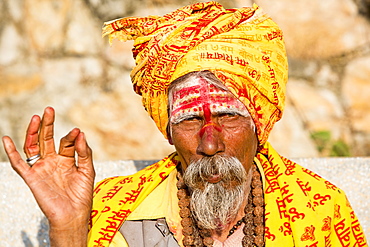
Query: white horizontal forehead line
x=194, y=81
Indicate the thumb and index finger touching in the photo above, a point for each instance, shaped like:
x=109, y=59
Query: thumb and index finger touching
x=75, y=142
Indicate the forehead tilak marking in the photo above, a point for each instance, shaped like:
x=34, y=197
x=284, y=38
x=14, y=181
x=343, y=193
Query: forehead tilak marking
x=201, y=97
x=198, y=96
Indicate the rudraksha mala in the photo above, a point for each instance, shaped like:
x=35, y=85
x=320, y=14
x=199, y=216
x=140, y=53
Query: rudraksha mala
x=253, y=220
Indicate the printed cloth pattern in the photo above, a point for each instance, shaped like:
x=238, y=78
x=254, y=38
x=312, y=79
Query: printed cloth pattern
x=115, y=198
x=301, y=208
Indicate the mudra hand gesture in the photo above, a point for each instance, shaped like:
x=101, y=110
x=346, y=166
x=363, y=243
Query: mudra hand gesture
x=62, y=187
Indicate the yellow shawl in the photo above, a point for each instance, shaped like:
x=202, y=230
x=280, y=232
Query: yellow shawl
x=301, y=208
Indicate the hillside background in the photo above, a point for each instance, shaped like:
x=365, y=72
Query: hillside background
x=52, y=54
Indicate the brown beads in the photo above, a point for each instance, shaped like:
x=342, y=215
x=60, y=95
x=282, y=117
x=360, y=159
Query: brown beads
x=247, y=241
x=188, y=240
x=190, y=232
x=205, y=233
x=257, y=191
x=258, y=201
x=186, y=222
x=187, y=230
x=259, y=241
x=260, y=229
x=256, y=183
x=184, y=202
x=185, y=212
x=208, y=241
x=258, y=212
x=181, y=194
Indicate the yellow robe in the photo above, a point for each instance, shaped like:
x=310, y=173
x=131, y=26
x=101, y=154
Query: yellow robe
x=301, y=208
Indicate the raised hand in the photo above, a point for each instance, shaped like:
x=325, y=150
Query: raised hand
x=62, y=187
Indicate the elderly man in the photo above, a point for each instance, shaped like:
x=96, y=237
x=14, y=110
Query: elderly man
x=213, y=80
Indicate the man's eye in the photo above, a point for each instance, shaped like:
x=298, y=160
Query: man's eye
x=186, y=118
x=229, y=114
x=193, y=118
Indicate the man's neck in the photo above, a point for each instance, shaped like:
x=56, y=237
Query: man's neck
x=222, y=234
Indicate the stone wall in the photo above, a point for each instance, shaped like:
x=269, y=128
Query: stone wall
x=52, y=53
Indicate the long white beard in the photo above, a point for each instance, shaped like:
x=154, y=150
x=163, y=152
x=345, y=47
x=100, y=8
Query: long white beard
x=215, y=205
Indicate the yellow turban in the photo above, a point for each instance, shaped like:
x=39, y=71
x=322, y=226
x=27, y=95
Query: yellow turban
x=243, y=47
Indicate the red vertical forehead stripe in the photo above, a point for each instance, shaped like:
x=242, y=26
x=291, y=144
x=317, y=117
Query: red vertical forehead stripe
x=203, y=95
x=243, y=47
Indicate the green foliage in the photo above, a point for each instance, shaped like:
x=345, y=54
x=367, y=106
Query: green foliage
x=321, y=139
x=329, y=147
x=339, y=148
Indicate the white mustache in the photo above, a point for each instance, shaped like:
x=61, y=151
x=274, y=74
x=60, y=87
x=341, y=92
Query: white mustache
x=229, y=168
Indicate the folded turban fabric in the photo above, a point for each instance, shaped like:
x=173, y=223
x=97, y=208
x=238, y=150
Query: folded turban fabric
x=243, y=47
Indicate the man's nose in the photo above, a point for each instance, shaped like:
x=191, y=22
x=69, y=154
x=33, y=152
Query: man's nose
x=211, y=141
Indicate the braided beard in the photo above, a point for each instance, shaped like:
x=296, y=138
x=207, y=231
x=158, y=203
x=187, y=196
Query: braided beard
x=215, y=205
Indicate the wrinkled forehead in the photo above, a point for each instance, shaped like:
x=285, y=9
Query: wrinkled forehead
x=197, y=93
x=198, y=88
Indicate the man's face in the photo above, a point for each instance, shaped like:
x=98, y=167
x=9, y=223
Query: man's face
x=206, y=120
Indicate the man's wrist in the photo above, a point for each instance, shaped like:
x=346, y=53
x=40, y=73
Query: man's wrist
x=74, y=234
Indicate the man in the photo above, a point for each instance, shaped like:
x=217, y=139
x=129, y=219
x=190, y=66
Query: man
x=213, y=80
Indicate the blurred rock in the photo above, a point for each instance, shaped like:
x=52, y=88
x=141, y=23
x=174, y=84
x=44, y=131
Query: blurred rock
x=10, y=45
x=291, y=129
x=45, y=25
x=83, y=36
x=16, y=9
x=120, y=54
x=113, y=9
x=15, y=84
x=356, y=91
x=319, y=107
x=117, y=126
x=316, y=29
x=52, y=53
x=364, y=7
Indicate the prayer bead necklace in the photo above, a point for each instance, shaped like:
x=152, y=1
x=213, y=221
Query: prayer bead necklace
x=235, y=227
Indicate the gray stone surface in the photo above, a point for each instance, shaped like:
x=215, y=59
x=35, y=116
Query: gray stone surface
x=22, y=224
x=54, y=52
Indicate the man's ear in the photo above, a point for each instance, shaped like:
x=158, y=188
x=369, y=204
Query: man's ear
x=169, y=138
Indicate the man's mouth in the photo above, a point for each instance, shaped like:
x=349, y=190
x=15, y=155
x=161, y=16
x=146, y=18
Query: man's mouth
x=214, y=178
